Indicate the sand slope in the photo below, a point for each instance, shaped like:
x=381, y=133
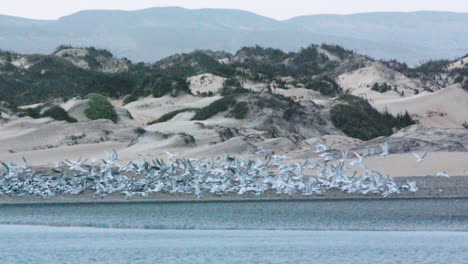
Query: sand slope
x=360, y=81
x=445, y=108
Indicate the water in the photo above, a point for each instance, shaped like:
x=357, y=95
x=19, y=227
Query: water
x=265, y=232
x=54, y=245
x=378, y=215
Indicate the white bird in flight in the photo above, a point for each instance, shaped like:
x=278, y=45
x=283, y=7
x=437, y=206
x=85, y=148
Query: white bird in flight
x=361, y=158
x=320, y=148
x=442, y=174
x=384, y=147
x=420, y=158
x=170, y=155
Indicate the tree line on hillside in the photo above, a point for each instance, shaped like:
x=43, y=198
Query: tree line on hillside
x=51, y=77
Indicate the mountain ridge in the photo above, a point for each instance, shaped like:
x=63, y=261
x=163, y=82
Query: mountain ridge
x=154, y=33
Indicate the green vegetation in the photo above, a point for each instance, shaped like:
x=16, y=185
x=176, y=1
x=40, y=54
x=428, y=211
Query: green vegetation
x=159, y=83
x=291, y=112
x=131, y=98
x=140, y=131
x=62, y=47
x=226, y=91
x=33, y=112
x=232, y=82
x=55, y=112
x=214, y=108
x=240, y=110
x=194, y=63
x=58, y=113
x=170, y=115
x=100, y=108
x=267, y=63
x=188, y=139
x=310, y=62
x=166, y=84
x=269, y=54
x=336, y=50
x=381, y=88
x=325, y=86
x=51, y=77
x=432, y=66
x=358, y=119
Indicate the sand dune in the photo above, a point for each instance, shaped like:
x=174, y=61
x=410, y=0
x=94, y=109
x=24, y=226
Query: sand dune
x=445, y=108
x=46, y=157
x=205, y=83
x=360, y=81
x=149, y=109
x=44, y=141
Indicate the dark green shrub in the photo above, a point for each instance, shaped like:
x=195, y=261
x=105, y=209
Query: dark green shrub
x=325, y=86
x=459, y=79
x=33, y=112
x=381, y=88
x=8, y=67
x=226, y=91
x=170, y=115
x=358, y=119
x=130, y=98
x=100, y=108
x=188, y=139
x=465, y=85
x=62, y=47
x=140, y=131
x=336, y=50
x=161, y=84
x=232, y=82
x=58, y=113
x=240, y=110
x=214, y=108
x=162, y=87
x=291, y=112
x=432, y=66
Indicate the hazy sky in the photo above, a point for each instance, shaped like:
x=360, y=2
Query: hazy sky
x=279, y=9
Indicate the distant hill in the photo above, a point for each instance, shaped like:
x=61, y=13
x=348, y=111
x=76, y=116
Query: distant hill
x=151, y=34
x=411, y=35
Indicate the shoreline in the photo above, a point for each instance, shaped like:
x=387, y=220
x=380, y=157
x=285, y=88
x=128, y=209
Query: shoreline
x=429, y=188
x=230, y=229
x=223, y=200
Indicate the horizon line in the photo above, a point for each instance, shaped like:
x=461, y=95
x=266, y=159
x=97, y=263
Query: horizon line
x=230, y=9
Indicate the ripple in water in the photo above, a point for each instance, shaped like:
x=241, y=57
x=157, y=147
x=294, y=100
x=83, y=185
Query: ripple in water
x=52, y=245
x=378, y=215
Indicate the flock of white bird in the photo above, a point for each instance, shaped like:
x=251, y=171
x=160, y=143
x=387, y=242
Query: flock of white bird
x=220, y=176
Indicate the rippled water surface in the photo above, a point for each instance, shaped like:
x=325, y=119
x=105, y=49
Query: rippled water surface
x=54, y=245
x=379, y=215
x=237, y=232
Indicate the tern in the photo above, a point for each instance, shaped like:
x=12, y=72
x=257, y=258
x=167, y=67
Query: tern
x=361, y=158
x=384, y=147
x=442, y=174
x=219, y=176
x=320, y=148
x=171, y=155
x=420, y=158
